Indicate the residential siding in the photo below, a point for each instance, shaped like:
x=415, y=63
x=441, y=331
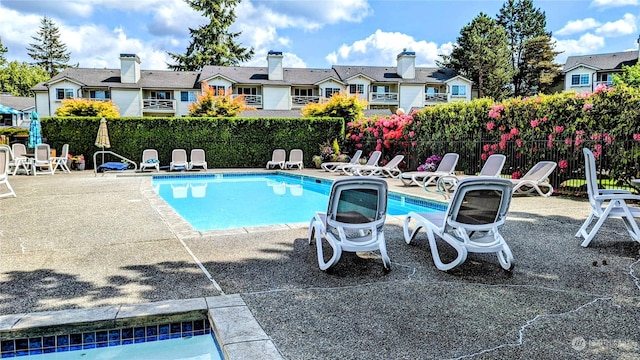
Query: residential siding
x=579, y=88
x=128, y=101
x=276, y=98
x=411, y=96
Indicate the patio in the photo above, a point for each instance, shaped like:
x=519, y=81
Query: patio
x=75, y=241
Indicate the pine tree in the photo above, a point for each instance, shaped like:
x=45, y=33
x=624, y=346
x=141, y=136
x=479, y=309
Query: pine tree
x=212, y=44
x=481, y=53
x=48, y=51
x=522, y=22
x=538, y=72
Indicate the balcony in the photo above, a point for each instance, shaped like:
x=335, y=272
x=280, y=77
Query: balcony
x=608, y=84
x=158, y=105
x=383, y=98
x=251, y=100
x=435, y=98
x=299, y=101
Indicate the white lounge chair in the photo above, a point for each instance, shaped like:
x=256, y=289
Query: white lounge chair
x=492, y=167
x=606, y=203
x=535, y=179
x=333, y=166
x=198, y=159
x=178, y=160
x=278, y=158
x=41, y=163
x=354, y=220
x=446, y=167
x=62, y=159
x=150, y=160
x=4, y=171
x=471, y=223
x=373, y=161
x=390, y=169
x=296, y=159
x=19, y=160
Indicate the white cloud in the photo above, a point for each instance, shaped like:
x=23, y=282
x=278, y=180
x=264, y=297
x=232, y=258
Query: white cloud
x=577, y=26
x=307, y=15
x=586, y=44
x=382, y=48
x=624, y=26
x=613, y=3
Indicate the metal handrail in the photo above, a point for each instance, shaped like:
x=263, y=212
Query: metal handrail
x=95, y=167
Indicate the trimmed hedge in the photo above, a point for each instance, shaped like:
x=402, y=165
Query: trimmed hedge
x=228, y=142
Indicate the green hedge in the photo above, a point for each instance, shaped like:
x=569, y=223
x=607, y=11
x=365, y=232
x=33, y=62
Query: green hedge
x=228, y=142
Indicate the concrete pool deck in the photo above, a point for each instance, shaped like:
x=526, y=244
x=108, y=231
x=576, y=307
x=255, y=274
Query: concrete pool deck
x=76, y=241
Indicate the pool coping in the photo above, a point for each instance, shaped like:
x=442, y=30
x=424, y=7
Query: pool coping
x=236, y=330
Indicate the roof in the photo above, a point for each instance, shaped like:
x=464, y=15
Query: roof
x=610, y=61
x=20, y=103
x=110, y=78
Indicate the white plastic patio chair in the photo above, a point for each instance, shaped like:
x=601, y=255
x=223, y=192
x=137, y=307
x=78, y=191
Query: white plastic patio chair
x=606, y=204
x=471, y=223
x=150, y=160
x=389, y=169
x=535, y=179
x=354, y=220
x=41, y=163
x=447, y=166
x=296, y=159
x=61, y=160
x=492, y=167
x=333, y=166
x=278, y=158
x=198, y=159
x=372, y=162
x=4, y=171
x=178, y=160
x=20, y=161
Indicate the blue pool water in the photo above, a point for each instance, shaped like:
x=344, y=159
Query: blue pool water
x=227, y=201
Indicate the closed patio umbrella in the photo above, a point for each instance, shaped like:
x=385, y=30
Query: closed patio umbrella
x=102, y=140
x=35, y=131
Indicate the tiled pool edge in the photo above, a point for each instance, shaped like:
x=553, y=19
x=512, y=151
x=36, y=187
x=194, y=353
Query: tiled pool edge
x=237, y=332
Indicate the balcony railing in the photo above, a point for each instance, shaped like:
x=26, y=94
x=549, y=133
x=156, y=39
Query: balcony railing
x=435, y=97
x=158, y=104
x=607, y=83
x=251, y=100
x=304, y=100
x=387, y=97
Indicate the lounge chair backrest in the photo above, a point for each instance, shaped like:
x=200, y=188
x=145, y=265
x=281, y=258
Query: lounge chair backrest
x=448, y=163
x=374, y=158
x=148, y=154
x=279, y=155
x=540, y=171
x=65, y=151
x=493, y=165
x=393, y=163
x=591, y=176
x=19, y=150
x=42, y=153
x=295, y=155
x=197, y=156
x=357, y=203
x=479, y=203
x=4, y=161
x=356, y=157
x=179, y=156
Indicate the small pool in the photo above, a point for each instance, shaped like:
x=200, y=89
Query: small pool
x=227, y=201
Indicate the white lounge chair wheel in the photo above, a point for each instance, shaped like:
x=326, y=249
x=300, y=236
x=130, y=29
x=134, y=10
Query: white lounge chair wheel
x=506, y=259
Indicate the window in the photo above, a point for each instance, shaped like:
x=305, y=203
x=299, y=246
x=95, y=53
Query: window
x=99, y=94
x=162, y=95
x=219, y=89
x=188, y=96
x=247, y=91
x=64, y=93
x=356, y=89
x=302, y=92
x=605, y=78
x=328, y=92
x=580, y=79
x=431, y=90
x=459, y=90
x=381, y=89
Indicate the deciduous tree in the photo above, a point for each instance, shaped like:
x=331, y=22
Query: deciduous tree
x=17, y=78
x=213, y=43
x=481, y=53
x=48, y=51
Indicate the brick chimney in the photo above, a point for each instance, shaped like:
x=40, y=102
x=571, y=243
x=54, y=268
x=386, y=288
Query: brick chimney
x=129, y=68
x=274, y=59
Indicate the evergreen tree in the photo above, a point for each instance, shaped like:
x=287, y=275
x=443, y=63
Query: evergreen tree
x=481, y=54
x=523, y=22
x=48, y=51
x=538, y=71
x=212, y=44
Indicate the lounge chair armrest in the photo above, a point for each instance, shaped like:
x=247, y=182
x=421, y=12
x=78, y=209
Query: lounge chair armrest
x=606, y=197
x=613, y=191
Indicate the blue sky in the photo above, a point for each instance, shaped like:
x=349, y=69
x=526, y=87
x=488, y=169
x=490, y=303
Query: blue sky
x=310, y=33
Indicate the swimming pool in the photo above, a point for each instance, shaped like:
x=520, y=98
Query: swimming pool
x=227, y=201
